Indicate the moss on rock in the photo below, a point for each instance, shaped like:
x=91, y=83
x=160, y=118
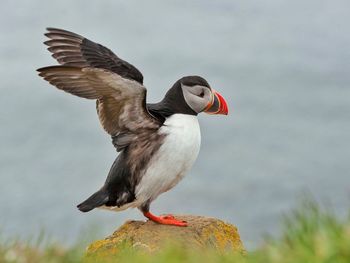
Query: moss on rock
x=201, y=233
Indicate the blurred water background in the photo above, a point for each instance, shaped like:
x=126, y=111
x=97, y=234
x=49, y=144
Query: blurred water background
x=283, y=67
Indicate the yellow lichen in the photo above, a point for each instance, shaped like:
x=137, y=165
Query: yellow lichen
x=225, y=235
x=202, y=233
x=97, y=245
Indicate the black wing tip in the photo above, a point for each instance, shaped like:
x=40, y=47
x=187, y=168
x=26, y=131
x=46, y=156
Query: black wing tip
x=55, y=30
x=58, y=67
x=46, y=70
x=50, y=28
x=43, y=69
x=42, y=72
x=47, y=43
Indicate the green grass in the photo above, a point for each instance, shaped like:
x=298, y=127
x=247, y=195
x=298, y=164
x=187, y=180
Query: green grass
x=309, y=234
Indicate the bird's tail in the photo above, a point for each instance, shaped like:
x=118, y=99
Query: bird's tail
x=97, y=199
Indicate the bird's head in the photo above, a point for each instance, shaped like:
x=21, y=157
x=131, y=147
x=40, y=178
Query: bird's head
x=200, y=97
x=192, y=95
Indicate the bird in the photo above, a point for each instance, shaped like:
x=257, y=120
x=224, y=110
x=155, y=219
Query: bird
x=157, y=143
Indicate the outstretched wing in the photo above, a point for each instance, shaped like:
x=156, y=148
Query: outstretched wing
x=92, y=71
x=71, y=49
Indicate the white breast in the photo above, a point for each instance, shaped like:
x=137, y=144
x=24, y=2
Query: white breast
x=173, y=159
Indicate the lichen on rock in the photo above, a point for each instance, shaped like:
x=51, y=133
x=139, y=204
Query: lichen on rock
x=201, y=233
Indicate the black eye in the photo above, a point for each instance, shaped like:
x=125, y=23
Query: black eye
x=202, y=94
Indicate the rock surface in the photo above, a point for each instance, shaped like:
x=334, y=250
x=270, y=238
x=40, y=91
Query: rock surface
x=201, y=232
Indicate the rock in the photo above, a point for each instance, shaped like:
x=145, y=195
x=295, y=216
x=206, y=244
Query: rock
x=201, y=233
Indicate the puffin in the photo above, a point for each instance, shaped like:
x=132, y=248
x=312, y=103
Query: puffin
x=157, y=142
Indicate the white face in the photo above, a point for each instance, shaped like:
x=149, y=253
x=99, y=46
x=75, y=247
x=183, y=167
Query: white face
x=197, y=97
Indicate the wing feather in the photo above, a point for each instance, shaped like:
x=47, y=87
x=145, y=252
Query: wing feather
x=92, y=71
x=120, y=102
x=71, y=49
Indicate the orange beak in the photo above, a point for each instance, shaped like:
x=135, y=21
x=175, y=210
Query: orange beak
x=217, y=105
